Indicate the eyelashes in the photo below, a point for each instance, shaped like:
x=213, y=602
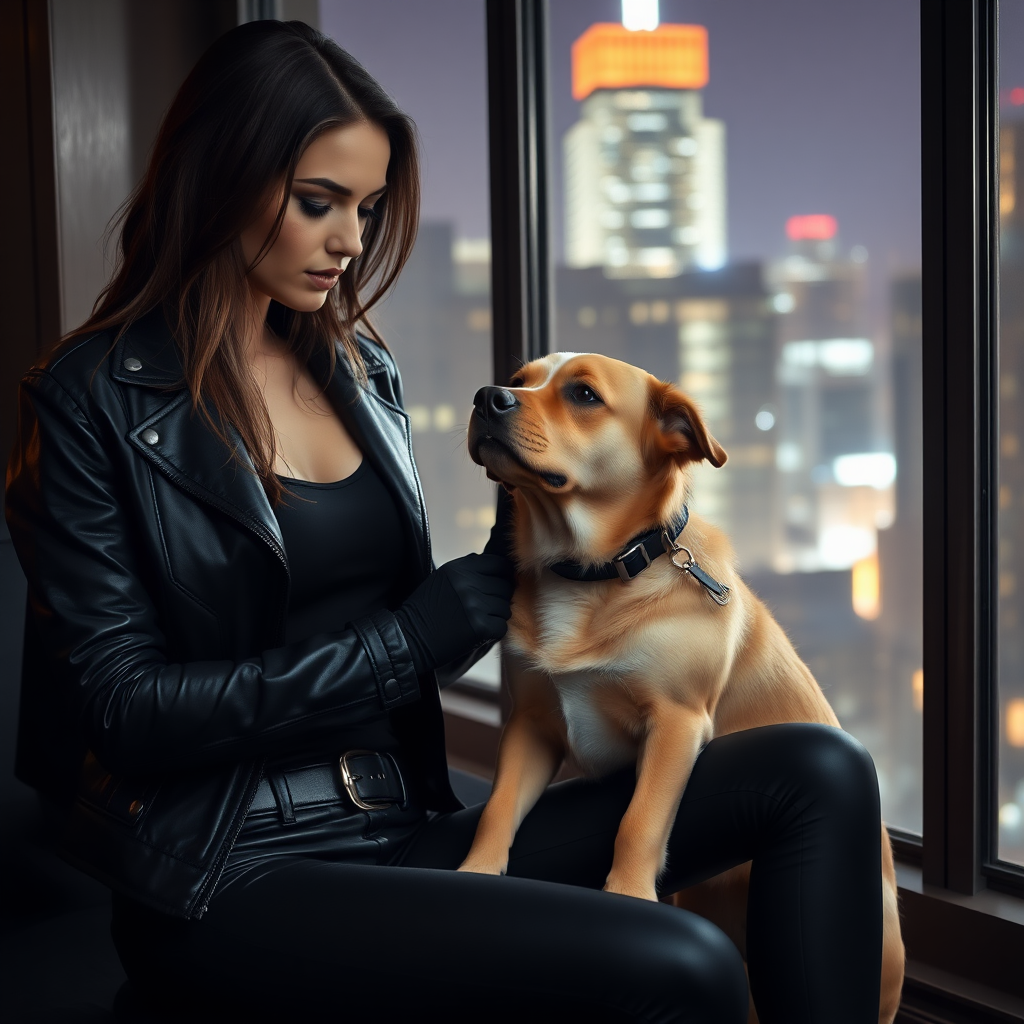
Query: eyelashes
x=317, y=210
x=314, y=210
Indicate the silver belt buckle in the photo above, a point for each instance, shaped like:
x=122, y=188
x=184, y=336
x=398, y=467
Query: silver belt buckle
x=349, y=779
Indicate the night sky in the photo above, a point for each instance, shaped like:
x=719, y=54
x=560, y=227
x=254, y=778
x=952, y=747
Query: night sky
x=821, y=103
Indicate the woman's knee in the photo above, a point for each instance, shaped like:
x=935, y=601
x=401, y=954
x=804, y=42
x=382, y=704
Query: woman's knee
x=682, y=967
x=827, y=768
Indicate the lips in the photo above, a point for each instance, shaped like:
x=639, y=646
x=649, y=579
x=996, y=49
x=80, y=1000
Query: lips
x=324, y=278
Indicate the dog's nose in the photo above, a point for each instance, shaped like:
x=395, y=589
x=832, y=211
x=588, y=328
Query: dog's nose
x=494, y=400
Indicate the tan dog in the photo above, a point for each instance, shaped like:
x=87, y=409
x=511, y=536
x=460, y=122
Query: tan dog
x=595, y=451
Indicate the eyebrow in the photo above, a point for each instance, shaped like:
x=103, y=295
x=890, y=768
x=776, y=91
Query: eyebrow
x=333, y=186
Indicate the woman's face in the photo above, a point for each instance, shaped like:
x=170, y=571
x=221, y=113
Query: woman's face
x=337, y=181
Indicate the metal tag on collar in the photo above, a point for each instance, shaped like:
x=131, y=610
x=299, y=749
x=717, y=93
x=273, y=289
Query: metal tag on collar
x=619, y=562
x=719, y=591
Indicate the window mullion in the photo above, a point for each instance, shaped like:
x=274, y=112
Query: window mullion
x=957, y=234
x=519, y=182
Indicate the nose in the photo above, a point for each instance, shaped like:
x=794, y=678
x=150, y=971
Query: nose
x=494, y=401
x=347, y=240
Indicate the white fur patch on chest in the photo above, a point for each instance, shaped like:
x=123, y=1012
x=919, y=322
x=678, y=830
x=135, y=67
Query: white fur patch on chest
x=597, y=746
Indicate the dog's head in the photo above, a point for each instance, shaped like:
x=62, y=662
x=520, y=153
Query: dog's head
x=593, y=446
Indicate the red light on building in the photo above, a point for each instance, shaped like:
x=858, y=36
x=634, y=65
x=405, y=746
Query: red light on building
x=1017, y=96
x=811, y=227
x=609, y=56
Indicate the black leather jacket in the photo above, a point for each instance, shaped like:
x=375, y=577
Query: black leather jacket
x=158, y=587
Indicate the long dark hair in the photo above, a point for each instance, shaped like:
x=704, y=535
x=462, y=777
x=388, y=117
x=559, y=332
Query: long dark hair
x=238, y=126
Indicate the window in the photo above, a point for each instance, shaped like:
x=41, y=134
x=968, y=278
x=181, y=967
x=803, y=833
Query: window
x=1010, y=438
x=756, y=240
x=437, y=320
x=963, y=932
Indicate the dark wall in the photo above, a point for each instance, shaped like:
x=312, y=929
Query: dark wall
x=83, y=84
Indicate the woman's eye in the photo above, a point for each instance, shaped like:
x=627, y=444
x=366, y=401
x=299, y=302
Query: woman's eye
x=311, y=209
x=584, y=395
x=366, y=211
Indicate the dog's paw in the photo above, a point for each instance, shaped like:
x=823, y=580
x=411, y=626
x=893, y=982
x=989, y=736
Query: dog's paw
x=478, y=866
x=626, y=887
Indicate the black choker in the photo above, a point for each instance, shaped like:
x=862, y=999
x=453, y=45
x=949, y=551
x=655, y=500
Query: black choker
x=635, y=557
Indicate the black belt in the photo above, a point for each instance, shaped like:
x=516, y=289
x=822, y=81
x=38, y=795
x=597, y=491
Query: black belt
x=370, y=781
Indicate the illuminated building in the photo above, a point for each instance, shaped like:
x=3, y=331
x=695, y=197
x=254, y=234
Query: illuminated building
x=644, y=169
x=713, y=333
x=835, y=467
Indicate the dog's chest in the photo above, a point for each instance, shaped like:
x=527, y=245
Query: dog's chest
x=597, y=738
x=568, y=639
x=567, y=629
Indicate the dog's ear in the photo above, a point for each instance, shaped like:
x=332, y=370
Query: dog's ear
x=678, y=428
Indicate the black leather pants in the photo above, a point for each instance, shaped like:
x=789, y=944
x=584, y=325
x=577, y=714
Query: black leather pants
x=376, y=922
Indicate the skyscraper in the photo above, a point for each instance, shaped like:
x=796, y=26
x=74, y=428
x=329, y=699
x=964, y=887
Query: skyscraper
x=645, y=205
x=836, y=468
x=644, y=169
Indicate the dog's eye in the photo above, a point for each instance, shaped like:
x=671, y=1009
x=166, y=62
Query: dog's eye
x=583, y=395
x=516, y=382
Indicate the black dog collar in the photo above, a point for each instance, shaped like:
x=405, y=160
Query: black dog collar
x=635, y=557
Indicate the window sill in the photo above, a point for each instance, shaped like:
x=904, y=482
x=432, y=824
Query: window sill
x=968, y=947
x=931, y=996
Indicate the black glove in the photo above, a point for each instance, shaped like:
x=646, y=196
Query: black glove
x=459, y=606
x=500, y=541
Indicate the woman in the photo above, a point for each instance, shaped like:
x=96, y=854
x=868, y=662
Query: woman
x=214, y=501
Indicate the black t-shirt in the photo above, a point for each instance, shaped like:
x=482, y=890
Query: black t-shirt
x=345, y=545
x=346, y=549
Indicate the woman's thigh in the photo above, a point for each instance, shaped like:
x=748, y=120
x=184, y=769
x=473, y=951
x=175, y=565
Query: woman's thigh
x=312, y=937
x=745, y=796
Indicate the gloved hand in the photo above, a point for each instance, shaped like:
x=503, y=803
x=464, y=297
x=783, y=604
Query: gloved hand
x=500, y=540
x=464, y=603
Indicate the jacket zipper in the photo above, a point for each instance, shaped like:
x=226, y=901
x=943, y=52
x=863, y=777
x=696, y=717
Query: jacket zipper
x=222, y=858
x=217, y=869
x=421, y=499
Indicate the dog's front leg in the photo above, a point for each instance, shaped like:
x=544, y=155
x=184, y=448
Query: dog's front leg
x=531, y=750
x=673, y=740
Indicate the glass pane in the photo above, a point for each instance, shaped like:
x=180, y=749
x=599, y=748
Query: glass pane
x=737, y=205
x=1011, y=433
x=432, y=59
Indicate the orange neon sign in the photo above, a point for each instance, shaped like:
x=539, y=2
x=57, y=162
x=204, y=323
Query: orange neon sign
x=609, y=56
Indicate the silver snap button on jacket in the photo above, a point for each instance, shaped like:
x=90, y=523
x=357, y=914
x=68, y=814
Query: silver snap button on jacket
x=150, y=436
x=133, y=364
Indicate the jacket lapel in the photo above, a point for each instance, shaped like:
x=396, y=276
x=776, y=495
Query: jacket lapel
x=178, y=441
x=182, y=446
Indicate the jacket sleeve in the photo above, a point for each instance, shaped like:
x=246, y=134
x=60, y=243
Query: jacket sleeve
x=499, y=543
x=138, y=712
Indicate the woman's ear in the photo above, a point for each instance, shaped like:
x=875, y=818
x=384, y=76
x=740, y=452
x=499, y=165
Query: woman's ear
x=680, y=429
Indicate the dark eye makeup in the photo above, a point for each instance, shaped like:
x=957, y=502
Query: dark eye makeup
x=317, y=210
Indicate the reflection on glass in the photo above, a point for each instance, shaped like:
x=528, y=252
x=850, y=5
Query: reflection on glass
x=437, y=321
x=1010, y=780
x=733, y=258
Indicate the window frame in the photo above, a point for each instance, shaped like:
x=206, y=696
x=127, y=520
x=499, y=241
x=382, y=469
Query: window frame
x=961, y=909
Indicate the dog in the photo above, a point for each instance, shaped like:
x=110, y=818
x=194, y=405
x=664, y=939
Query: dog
x=593, y=452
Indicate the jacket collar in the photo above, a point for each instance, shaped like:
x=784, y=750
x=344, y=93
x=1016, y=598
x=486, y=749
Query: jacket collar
x=147, y=354
x=181, y=445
